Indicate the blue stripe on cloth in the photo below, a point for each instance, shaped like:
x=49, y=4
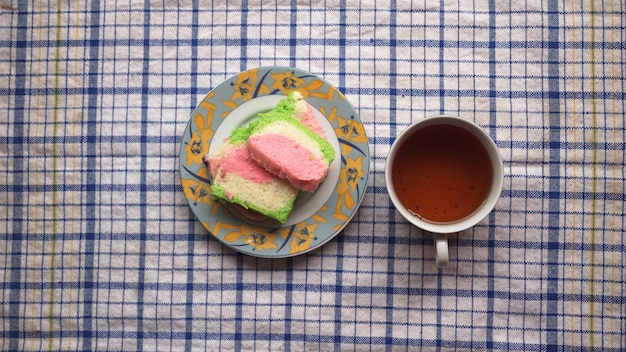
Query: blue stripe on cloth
x=191, y=219
x=262, y=336
x=303, y=288
x=477, y=244
x=342, y=46
x=189, y=287
x=442, y=110
x=240, y=259
x=412, y=92
x=393, y=69
x=239, y=302
x=288, y=303
x=351, y=42
x=293, y=34
x=492, y=119
x=341, y=239
x=18, y=168
x=552, y=328
x=338, y=290
x=517, y=144
x=90, y=194
x=442, y=75
x=439, y=323
x=107, y=295
x=526, y=185
x=293, y=25
x=193, y=86
x=243, y=39
x=143, y=225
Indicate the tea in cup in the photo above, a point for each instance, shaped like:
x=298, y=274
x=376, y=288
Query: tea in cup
x=444, y=174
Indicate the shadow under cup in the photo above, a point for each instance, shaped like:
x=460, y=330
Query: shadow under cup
x=439, y=164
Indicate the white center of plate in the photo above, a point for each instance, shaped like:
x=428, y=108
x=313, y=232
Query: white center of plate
x=307, y=204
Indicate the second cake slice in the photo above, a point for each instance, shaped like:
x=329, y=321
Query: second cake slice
x=288, y=149
x=238, y=179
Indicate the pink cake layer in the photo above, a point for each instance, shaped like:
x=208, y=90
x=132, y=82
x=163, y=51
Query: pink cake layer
x=304, y=113
x=240, y=163
x=286, y=158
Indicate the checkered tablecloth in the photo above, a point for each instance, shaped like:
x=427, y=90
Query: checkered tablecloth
x=99, y=249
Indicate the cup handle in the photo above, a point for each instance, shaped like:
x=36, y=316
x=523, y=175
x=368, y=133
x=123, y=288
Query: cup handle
x=441, y=248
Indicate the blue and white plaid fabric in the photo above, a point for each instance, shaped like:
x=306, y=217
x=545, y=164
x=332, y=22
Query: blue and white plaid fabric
x=100, y=251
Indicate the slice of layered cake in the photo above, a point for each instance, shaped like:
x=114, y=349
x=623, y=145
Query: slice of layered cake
x=238, y=179
x=287, y=148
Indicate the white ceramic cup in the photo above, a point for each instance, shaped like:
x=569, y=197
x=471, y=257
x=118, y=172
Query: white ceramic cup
x=440, y=230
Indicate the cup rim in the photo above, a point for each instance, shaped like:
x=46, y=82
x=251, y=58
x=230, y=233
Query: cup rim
x=496, y=187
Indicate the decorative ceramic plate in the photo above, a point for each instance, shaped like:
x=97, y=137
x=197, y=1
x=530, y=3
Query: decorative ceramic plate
x=317, y=217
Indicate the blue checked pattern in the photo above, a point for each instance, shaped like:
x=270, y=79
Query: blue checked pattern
x=100, y=251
